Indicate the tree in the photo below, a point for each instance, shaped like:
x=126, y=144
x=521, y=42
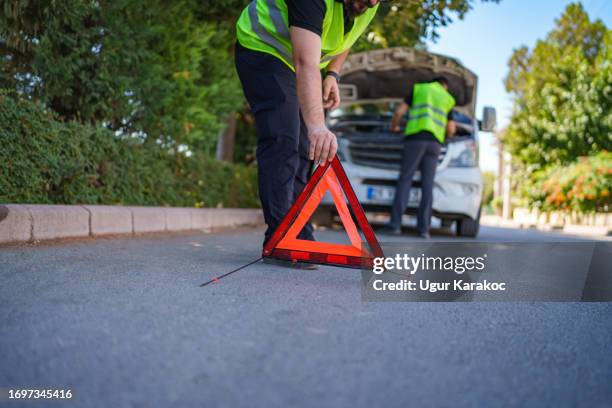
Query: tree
x=190, y=87
x=71, y=55
x=562, y=93
x=161, y=71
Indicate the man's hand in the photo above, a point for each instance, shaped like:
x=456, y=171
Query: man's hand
x=323, y=144
x=331, y=93
x=306, y=58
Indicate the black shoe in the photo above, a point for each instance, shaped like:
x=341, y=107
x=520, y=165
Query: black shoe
x=290, y=264
x=391, y=231
x=424, y=235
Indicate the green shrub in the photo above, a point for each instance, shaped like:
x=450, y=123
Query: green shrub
x=583, y=186
x=497, y=205
x=488, y=182
x=45, y=160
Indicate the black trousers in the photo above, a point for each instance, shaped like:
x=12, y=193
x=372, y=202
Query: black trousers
x=422, y=155
x=282, y=139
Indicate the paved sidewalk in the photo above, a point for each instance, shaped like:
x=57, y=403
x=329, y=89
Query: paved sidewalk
x=570, y=229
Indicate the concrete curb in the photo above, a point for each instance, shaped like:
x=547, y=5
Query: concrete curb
x=32, y=223
x=58, y=221
x=587, y=230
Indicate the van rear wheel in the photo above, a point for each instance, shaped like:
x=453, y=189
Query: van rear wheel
x=467, y=227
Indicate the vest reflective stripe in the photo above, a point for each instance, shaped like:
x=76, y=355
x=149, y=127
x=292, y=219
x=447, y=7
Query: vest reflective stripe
x=424, y=110
x=256, y=26
x=433, y=108
x=427, y=115
x=277, y=19
x=263, y=26
x=431, y=104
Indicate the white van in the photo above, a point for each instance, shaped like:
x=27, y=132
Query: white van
x=373, y=84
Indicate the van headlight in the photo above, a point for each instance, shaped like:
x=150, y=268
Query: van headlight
x=463, y=154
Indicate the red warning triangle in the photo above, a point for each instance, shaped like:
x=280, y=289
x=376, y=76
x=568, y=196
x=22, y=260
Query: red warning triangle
x=284, y=244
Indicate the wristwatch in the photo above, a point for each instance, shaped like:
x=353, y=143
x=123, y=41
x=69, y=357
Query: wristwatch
x=333, y=74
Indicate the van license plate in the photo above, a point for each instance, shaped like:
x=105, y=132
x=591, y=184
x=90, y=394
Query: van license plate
x=386, y=194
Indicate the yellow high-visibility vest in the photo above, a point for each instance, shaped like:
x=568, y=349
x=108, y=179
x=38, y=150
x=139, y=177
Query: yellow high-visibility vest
x=263, y=26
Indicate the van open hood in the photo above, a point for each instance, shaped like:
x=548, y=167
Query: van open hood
x=388, y=74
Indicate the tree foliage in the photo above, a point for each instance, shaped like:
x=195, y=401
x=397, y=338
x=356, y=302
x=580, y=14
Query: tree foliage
x=68, y=55
x=161, y=70
x=562, y=91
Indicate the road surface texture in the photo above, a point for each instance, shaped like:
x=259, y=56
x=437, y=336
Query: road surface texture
x=123, y=323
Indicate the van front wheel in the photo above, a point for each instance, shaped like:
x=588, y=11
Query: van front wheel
x=467, y=227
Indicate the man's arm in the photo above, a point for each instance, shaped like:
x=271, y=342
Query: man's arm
x=306, y=57
x=331, y=91
x=336, y=64
x=399, y=113
x=451, y=128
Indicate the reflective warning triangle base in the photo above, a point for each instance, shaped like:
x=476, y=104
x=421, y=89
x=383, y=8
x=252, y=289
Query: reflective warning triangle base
x=286, y=245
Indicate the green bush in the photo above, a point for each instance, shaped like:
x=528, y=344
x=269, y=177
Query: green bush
x=584, y=186
x=488, y=182
x=45, y=160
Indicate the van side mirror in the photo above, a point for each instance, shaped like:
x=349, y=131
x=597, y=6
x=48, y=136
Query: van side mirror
x=489, y=119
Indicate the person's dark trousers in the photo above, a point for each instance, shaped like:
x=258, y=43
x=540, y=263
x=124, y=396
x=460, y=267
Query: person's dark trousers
x=282, y=139
x=422, y=155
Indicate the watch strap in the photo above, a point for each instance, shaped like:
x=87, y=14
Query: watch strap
x=333, y=74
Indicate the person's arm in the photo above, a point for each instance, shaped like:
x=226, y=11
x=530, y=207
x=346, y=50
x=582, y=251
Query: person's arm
x=306, y=57
x=451, y=128
x=399, y=113
x=336, y=64
x=331, y=91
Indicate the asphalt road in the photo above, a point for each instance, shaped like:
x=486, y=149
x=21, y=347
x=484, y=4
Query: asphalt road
x=123, y=323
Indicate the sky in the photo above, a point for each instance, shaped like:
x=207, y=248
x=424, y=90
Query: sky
x=484, y=40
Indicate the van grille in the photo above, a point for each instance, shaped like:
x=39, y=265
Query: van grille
x=381, y=151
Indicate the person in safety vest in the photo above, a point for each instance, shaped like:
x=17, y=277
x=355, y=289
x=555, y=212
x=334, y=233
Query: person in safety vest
x=430, y=121
x=282, y=48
